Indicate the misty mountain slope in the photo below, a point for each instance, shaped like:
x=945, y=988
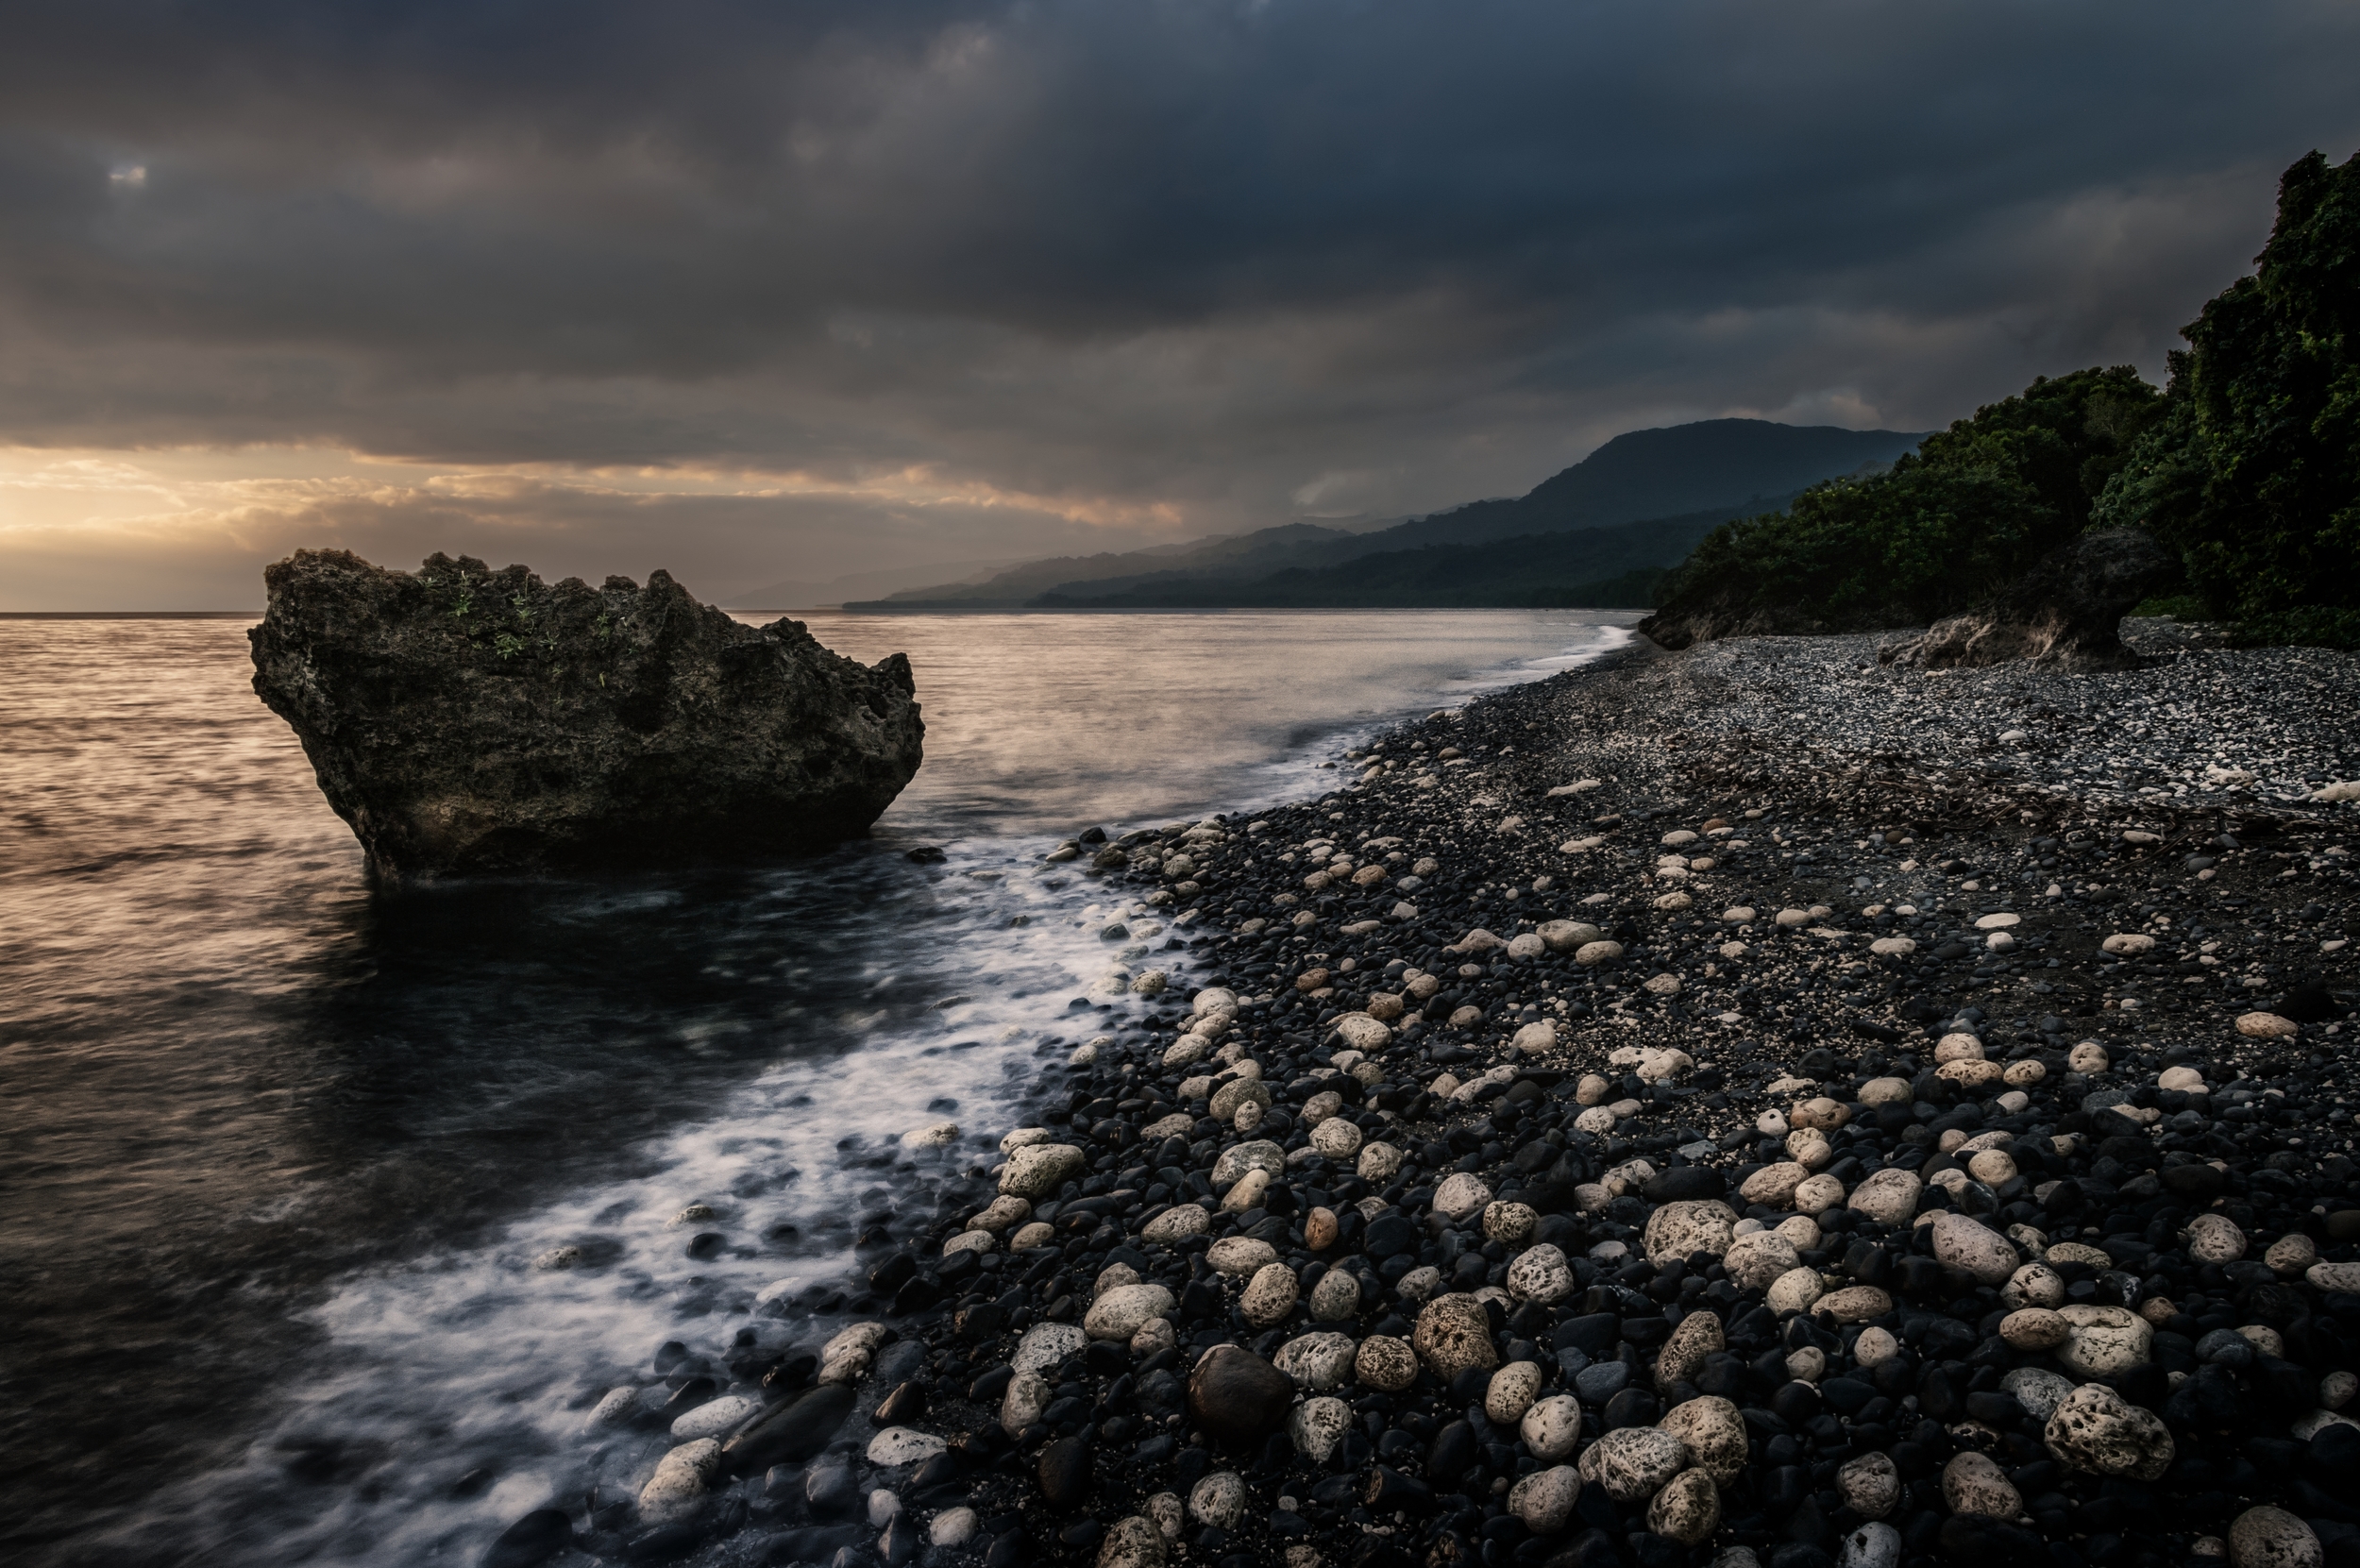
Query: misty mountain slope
x=1607, y=567
x=1664, y=473
x=1642, y=479
x=1223, y=555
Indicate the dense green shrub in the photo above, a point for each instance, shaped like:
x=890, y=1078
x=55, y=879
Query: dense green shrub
x=1973, y=505
x=2254, y=473
x=2248, y=466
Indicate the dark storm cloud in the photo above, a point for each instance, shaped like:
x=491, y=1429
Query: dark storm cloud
x=1233, y=257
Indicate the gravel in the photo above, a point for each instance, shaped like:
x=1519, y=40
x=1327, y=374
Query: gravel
x=1864, y=1198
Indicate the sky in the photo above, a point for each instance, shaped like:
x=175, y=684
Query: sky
x=777, y=294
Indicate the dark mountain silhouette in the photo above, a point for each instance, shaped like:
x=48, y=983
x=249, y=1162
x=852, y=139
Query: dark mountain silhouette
x=1658, y=491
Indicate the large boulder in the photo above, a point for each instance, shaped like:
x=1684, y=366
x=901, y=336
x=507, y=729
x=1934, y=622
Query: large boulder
x=2065, y=612
x=467, y=720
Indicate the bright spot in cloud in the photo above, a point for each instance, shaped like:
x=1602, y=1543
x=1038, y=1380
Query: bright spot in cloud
x=133, y=174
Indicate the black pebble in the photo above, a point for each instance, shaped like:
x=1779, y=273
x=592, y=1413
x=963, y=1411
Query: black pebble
x=535, y=1539
x=1065, y=1474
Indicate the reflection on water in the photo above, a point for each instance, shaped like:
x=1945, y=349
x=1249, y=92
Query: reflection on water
x=272, y=1150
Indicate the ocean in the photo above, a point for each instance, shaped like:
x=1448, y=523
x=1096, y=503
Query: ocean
x=278, y=1152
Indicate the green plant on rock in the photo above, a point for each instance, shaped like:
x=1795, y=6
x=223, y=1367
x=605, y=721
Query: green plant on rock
x=508, y=645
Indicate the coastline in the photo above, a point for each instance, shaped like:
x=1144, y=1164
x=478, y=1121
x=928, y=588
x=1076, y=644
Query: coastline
x=1582, y=1143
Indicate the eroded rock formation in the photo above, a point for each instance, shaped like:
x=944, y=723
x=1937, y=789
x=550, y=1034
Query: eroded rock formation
x=466, y=721
x=2065, y=611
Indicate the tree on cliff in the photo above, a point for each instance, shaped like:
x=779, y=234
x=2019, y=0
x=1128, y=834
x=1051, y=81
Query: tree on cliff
x=2249, y=469
x=2253, y=475
x=1972, y=507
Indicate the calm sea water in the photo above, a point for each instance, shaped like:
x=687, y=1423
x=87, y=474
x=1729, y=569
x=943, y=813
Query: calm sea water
x=276, y=1152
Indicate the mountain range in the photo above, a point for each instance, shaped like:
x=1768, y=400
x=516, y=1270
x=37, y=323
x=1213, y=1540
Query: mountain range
x=1600, y=532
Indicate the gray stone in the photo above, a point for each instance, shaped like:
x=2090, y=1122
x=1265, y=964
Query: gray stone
x=2272, y=1538
x=1970, y=1245
x=1875, y=1544
x=2039, y=1391
x=1039, y=1169
x=1871, y=1484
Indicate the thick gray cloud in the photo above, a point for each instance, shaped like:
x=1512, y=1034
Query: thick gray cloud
x=1182, y=265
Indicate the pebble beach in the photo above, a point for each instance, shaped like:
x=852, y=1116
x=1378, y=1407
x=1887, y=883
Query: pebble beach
x=1757, y=1107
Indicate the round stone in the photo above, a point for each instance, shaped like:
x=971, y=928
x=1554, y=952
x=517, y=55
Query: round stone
x=1633, y=1462
x=1551, y=1427
x=1772, y=1185
x=1173, y=1224
x=1039, y=1169
x=2034, y=1284
x=1511, y=1392
x=1268, y=1296
x=1754, y=1261
x=1889, y=1197
x=1385, y=1363
x=2268, y=1026
x=1873, y=1546
x=1688, y=1510
x=1133, y=1542
x=2039, y=1391
x=2214, y=1239
x=1219, y=1499
x=2034, y=1328
x=1853, y=1304
x=1317, y=1361
x=1974, y=1247
x=2105, y=1340
x=679, y=1488
x=1714, y=1433
x=1125, y=1310
x=1870, y=1485
x=1972, y=1483
x=2095, y=1430
x=1460, y=1196
x=1454, y=1333
x=1237, y=1397
x=1336, y=1138
x=1241, y=1256
x=1794, y=1292
x=1544, y=1501
x=1336, y=1297
x=1317, y=1426
x=2272, y=1538
x=1379, y=1162
x=1540, y=1275
x=1510, y=1222
x=1260, y=1155
x=1676, y=1230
